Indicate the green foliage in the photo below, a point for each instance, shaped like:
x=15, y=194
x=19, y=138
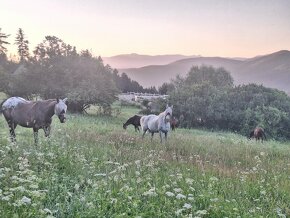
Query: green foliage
x=165, y=88
x=207, y=98
x=58, y=71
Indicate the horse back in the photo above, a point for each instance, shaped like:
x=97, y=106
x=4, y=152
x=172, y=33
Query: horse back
x=135, y=120
x=33, y=114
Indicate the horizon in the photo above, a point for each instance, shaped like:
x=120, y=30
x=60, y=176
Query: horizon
x=197, y=55
x=108, y=28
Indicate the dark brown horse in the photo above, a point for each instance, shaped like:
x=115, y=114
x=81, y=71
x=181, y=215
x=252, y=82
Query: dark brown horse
x=135, y=121
x=173, y=123
x=258, y=133
x=32, y=114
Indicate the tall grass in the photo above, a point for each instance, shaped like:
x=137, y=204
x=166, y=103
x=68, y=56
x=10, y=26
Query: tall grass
x=91, y=167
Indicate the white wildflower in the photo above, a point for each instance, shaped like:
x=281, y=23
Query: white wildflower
x=6, y=198
x=177, y=190
x=189, y=181
x=113, y=200
x=201, y=212
x=34, y=186
x=100, y=174
x=180, y=196
x=187, y=206
x=151, y=192
x=169, y=194
x=77, y=186
x=213, y=178
x=262, y=192
x=26, y=200
x=214, y=199
x=190, y=198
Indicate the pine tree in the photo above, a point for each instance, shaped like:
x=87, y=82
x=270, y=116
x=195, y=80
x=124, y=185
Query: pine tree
x=3, y=42
x=22, y=43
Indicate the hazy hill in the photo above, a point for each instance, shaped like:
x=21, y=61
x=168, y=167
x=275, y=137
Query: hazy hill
x=136, y=60
x=272, y=70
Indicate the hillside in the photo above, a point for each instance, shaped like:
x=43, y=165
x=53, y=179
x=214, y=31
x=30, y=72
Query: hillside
x=272, y=70
x=136, y=60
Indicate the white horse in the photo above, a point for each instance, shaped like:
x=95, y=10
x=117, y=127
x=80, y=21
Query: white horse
x=155, y=124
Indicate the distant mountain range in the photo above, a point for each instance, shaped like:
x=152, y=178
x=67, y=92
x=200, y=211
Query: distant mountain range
x=136, y=60
x=272, y=70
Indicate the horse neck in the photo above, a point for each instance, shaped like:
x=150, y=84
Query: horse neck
x=162, y=117
x=50, y=109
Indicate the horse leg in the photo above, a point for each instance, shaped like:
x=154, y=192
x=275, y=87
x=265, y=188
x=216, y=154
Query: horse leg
x=12, y=127
x=152, y=134
x=144, y=133
x=46, y=130
x=160, y=134
x=165, y=136
x=35, y=134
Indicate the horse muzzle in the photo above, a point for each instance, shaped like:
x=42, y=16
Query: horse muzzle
x=62, y=119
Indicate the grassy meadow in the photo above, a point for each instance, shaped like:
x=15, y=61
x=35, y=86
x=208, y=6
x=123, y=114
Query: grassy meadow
x=91, y=167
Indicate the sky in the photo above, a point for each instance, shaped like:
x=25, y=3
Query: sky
x=226, y=28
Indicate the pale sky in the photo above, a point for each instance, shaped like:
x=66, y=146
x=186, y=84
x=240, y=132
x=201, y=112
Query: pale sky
x=227, y=28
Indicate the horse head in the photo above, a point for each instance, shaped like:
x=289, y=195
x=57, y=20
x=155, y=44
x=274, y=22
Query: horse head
x=124, y=126
x=168, y=113
x=60, y=109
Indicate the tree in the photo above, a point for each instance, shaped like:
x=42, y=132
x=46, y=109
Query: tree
x=197, y=95
x=22, y=44
x=81, y=77
x=3, y=42
x=49, y=48
x=165, y=88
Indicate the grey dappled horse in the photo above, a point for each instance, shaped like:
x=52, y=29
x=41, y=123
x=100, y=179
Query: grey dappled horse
x=155, y=124
x=32, y=114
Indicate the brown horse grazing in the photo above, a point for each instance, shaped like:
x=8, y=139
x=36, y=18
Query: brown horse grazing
x=173, y=123
x=32, y=114
x=135, y=121
x=258, y=133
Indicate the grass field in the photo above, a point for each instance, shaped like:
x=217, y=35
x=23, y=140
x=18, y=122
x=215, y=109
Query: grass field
x=91, y=167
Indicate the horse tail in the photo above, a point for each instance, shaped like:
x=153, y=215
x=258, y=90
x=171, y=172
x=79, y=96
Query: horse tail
x=251, y=134
x=1, y=110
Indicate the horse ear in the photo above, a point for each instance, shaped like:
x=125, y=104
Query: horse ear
x=57, y=100
x=167, y=106
x=64, y=100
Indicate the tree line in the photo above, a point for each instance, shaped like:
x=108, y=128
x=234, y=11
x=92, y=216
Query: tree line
x=56, y=69
x=207, y=98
